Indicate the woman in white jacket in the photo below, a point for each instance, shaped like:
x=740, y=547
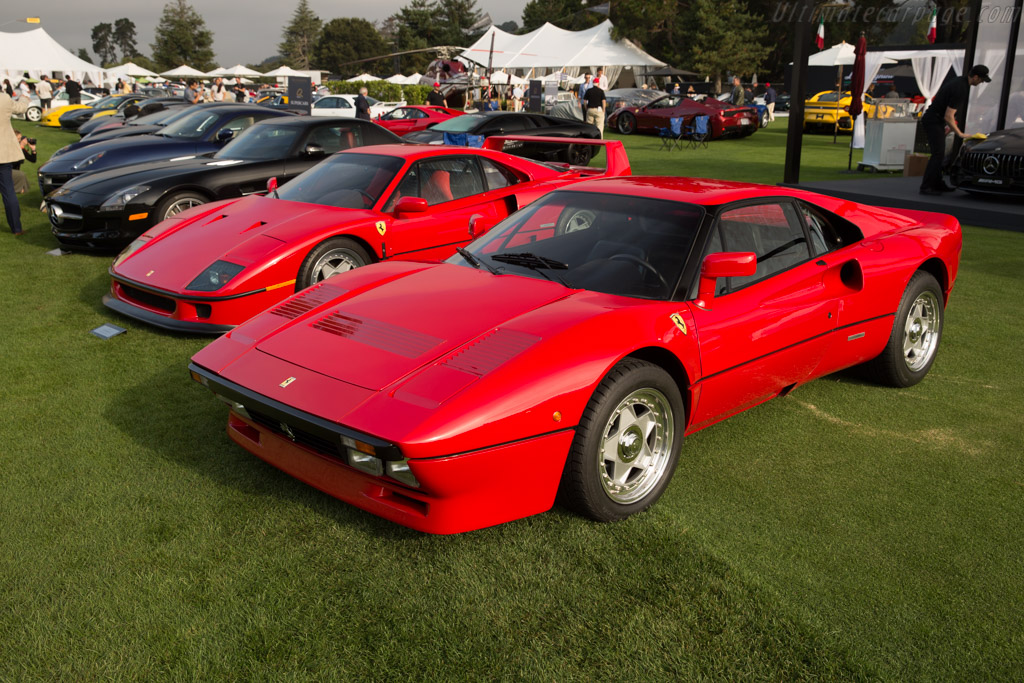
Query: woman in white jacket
x=10, y=154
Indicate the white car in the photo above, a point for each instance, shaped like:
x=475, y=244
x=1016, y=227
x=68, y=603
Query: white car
x=60, y=99
x=345, y=105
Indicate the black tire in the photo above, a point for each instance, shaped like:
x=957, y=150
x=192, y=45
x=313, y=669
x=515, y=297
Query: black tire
x=916, y=333
x=328, y=258
x=642, y=465
x=174, y=204
x=579, y=155
x=626, y=123
x=764, y=119
x=34, y=114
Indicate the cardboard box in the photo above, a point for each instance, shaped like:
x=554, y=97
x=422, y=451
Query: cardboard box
x=914, y=164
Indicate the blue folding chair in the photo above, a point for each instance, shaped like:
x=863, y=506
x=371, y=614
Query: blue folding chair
x=699, y=132
x=673, y=135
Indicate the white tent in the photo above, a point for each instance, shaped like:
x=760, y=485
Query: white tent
x=550, y=47
x=37, y=53
x=131, y=69
x=285, y=71
x=362, y=77
x=505, y=78
x=184, y=70
x=236, y=70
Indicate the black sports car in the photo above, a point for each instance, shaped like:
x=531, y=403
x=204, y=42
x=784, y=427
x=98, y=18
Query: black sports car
x=143, y=125
x=459, y=128
x=73, y=119
x=202, y=130
x=108, y=209
x=991, y=166
x=130, y=113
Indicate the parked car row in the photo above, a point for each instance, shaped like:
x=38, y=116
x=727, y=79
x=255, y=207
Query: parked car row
x=449, y=337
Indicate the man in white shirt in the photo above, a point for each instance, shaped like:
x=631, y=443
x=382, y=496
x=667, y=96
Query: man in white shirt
x=600, y=80
x=45, y=92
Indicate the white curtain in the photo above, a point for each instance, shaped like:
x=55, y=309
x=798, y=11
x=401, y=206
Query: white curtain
x=930, y=72
x=957, y=57
x=872, y=63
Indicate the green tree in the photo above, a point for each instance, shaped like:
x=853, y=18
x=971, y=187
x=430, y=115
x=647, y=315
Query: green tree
x=414, y=27
x=659, y=27
x=124, y=38
x=300, y=37
x=349, y=39
x=83, y=54
x=102, y=43
x=728, y=38
x=572, y=15
x=456, y=18
x=182, y=38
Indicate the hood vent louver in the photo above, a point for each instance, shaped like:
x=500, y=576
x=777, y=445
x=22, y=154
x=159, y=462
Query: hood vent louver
x=315, y=296
x=490, y=351
x=380, y=335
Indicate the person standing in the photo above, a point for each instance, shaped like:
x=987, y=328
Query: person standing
x=737, y=97
x=45, y=91
x=436, y=98
x=582, y=90
x=240, y=92
x=219, y=89
x=193, y=94
x=517, y=97
x=770, y=97
x=363, y=105
x=595, y=104
x=951, y=98
x=600, y=80
x=74, y=90
x=10, y=154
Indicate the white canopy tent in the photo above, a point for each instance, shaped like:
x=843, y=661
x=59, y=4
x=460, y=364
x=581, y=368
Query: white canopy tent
x=184, y=71
x=550, y=47
x=40, y=55
x=362, y=77
x=505, y=78
x=239, y=70
x=130, y=69
x=284, y=71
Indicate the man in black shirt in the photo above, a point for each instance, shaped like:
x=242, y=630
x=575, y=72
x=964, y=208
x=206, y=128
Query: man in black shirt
x=951, y=98
x=74, y=90
x=363, y=105
x=436, y=98
x=594, y=101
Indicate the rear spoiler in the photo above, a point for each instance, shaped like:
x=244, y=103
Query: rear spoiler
x=615, y=153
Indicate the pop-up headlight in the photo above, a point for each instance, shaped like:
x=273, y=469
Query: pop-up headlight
x=215, y=277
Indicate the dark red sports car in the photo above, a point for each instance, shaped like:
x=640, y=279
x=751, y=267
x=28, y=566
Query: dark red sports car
x=571, y=348
x=402, y=120
x=210, y=268
x=724, y=119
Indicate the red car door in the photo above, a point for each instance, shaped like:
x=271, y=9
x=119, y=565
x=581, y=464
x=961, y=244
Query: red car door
x=763, y=333
x=457, y=190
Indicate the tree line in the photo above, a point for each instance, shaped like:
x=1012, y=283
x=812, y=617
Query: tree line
x=712, y=37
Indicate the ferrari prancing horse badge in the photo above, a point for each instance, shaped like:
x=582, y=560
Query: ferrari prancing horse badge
x=680, y=323
x=382, y=227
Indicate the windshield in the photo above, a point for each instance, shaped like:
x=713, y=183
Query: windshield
x=260, y=143
x=104, y=103
x=460, y=124
x=194, y=125
x=162, y=116
x=617, y=244
x=347, y=181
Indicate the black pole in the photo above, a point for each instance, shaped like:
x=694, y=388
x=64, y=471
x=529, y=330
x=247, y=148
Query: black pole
x=798, y=92
x=1004, y=96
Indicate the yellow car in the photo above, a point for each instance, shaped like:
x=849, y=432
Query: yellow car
x=103, y=107
x=821, y=110
x=59, y=105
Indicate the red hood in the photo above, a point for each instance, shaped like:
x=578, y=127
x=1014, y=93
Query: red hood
x=404, y=323
x=245, y=233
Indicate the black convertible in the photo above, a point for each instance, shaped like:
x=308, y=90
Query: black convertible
x=991, y=166
x=483, y=125
x=108, y=209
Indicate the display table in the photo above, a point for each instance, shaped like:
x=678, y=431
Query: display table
x=887, y=142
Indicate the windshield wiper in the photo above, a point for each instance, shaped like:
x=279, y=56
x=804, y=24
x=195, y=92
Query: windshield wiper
x=535, y=263
x=475, y=262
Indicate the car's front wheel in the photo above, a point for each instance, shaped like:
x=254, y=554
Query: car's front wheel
x=764, y=119
x=915, y=336
x=627, y=443
x=34, y=114
x=330, y=257
x=626, y=123
x=579, y=155
x=178, y=202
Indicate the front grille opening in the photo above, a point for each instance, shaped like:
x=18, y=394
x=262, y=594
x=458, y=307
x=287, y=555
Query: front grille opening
x=299, y=436
x=203, y=310
x=149, y=299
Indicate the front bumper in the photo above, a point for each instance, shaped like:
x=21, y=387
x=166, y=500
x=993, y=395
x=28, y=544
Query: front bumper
x=85, y=227
x=457, y=493
x=194, y=314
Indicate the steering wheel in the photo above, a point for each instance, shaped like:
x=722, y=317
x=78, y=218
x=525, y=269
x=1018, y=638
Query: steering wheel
x=643, y=264
x=367, y=198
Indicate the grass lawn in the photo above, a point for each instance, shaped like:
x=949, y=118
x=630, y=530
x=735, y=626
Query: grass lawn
x=846, y=531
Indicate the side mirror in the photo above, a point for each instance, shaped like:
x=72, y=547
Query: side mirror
x=723, y=264
x=271, y=185
x=313, y=150
x=225, y=135
x=408, y=205
x=479, y=224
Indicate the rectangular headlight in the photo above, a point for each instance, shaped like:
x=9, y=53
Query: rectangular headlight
x=365, y=463
x=399, y=471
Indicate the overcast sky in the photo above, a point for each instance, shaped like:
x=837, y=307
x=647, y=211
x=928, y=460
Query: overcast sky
x=243, y=32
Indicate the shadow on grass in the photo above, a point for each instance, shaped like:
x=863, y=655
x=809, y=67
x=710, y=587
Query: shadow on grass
x=174, y=418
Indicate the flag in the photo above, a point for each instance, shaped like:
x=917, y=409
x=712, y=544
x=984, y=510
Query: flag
x=819, y=39
x=933, y=26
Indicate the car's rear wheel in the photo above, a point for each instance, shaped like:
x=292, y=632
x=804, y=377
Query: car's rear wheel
x=915, y=337
x=34, y=114
x=764, y=119
x=178, y=202
x=330, y=257
x=627, y=443
x=626, y=123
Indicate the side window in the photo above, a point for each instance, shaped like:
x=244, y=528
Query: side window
x=824, y=237
x=240, y=123
x=439, y=181
x=326, y=103
x=342, y=103
x=496, y=175
x=772, y=231
x=334, y=138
